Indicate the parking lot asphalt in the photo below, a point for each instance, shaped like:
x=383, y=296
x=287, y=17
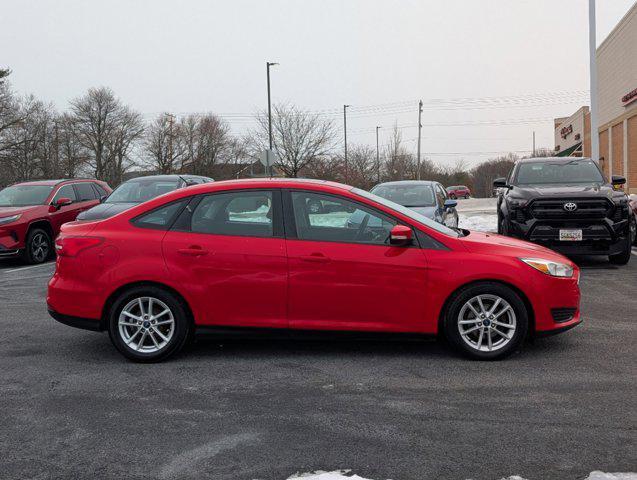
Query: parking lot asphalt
x=72, y=407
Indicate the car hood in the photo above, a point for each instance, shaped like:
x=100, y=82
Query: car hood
x=592, y=190
x=8, y=211
x=104, y=210
x=428, y=212
x=494, y=244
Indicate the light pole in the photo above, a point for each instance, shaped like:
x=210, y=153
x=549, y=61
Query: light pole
x=592, y=45
x=345, y=132
x=268, y=65
x=419, y=134
x=377, y=156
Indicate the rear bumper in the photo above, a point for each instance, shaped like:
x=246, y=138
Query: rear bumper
x=77, y=322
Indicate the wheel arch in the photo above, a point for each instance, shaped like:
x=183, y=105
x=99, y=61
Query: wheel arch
x=518, y=291
x=108, y=304
x=43, y=224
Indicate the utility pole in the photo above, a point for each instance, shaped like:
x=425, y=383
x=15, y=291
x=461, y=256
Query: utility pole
x=268, y=65
x=345, y=132
x=592, y=45
x=419, y=135
x=377, y=157
x=534, y=143
x=170, y=142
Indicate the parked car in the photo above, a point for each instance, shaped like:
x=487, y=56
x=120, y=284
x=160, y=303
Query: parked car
x=427, y=198
x=459, y=191
x=31, y=214
x=247, y=254
x=139, y=190
x=566, y=204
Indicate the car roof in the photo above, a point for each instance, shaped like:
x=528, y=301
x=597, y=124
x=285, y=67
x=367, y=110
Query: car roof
x=53, y=183
x=407, y=183
x=157, y=177
x=552, y=159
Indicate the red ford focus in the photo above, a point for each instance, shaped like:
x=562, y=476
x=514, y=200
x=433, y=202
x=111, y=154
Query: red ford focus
x=253, y=254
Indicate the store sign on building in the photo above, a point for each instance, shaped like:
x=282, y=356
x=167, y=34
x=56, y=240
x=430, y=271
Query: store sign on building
x=629, y=98
x=566, y=131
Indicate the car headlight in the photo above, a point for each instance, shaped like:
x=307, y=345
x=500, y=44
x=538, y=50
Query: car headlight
x=516, y=202
x=549, y=267
x=10, y=219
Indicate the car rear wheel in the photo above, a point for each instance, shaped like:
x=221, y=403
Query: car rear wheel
x=148, y=324
x=38, y=246
x=486, y=321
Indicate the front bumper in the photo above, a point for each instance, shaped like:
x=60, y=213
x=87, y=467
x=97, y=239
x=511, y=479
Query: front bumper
x=599, y=236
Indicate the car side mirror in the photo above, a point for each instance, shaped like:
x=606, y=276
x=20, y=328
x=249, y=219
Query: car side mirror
x=61, y=202
x=618, y=180
x=401, y=236
x=450, y=204
x=500, y=183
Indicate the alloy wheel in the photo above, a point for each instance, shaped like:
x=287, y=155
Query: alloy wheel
x=146, y=324
x=486, y=322
x=39, y=247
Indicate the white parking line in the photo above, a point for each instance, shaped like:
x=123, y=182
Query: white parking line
x=28, y=268
x=634, y=251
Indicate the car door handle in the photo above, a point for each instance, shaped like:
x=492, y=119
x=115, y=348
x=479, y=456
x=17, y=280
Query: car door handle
x=315, y=257
x=193, y=251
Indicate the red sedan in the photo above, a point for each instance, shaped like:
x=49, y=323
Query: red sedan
x=253, y=254
x=32, y=213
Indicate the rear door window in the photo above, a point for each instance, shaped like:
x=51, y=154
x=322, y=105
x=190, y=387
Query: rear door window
x=242, y=213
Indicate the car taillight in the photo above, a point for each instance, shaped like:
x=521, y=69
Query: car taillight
x=72, y=246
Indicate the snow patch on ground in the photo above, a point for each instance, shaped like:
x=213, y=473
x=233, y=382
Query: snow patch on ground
x=346, y=475
x=479, y=222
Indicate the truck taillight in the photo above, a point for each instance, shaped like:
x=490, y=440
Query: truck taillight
x=72, y=246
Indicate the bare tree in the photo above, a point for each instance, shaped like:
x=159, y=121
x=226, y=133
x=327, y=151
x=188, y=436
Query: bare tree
x=399, y=163
x=484, y=174
x=207, y=145
x=107, y=129
x=72, y=156
x=362, y=166
x=164, y=144
x=299, y=137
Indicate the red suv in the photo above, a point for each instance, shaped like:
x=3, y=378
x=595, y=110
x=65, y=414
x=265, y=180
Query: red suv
x=32, y=213
x=458, y=191
x=255, y=254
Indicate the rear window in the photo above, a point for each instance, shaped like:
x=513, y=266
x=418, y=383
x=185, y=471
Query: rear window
x=160, y=218
x=85, y=191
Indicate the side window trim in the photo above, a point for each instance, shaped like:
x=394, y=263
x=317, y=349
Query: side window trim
x=183, y=221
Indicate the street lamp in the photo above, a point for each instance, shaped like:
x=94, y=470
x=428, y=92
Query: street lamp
x=345, y=132
x=377, y=156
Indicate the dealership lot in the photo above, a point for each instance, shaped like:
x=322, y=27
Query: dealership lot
x=563, y=407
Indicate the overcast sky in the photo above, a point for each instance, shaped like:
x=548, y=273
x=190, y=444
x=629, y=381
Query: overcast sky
x=519, y=62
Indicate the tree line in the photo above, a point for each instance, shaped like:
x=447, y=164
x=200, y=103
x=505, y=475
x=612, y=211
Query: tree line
x=99, y=136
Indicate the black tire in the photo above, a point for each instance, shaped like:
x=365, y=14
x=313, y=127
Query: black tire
x=38, y=247
x=624, y=257
x=181, y=326
x=454, y=309
x=503, y=228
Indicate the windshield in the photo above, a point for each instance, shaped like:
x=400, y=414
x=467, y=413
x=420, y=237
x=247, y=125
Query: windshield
x=575, y=171
x=24, y=195
x=407, y=195
x=439, y=227
x=141, y=190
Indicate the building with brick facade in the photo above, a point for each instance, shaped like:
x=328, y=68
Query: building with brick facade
x=617, y=96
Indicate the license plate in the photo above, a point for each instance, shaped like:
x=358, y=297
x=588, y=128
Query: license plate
x=570, y=235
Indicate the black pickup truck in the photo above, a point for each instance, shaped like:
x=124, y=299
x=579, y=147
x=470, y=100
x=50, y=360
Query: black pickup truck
x=567, y=205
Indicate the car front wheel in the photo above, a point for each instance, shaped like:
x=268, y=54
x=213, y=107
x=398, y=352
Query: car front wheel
x=486, y=321
x=38, y=246
x=148, y=324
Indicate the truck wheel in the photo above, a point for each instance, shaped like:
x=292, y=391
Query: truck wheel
x=624, y=257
